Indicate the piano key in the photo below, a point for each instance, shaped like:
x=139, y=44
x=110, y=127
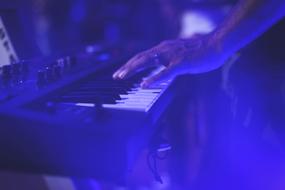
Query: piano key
x=136, y=97
x=87, y=100
x=85, y=104
x=114, y=94
x=140, y=94
x=144, y=92
x=126, y=107
x=134, y=102
x=142, y=108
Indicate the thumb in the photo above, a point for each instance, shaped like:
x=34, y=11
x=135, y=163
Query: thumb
x=162, y=76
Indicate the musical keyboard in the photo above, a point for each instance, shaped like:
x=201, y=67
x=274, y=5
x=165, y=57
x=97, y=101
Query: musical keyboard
x=111, y=94
x=83, y=123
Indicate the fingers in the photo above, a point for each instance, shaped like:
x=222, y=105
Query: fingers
x=141, y=61
x=160, y=55
x=137, y=63
x=164, y=74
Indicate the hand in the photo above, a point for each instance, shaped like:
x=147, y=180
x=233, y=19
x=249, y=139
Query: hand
x=176, y=57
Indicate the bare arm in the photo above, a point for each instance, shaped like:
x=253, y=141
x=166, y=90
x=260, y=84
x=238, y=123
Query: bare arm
x=247, y=20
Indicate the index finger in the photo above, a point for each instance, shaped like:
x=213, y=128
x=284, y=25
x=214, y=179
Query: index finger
x=135, y=64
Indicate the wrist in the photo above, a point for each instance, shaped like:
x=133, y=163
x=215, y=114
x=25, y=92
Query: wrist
x=216, y=41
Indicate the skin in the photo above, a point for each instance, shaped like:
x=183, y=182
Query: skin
x=246, y=22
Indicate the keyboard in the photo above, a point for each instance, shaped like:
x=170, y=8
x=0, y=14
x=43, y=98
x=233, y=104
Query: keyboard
x=111, y=94
x=81, y=122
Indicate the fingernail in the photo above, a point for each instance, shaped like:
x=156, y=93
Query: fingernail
x=122, y=74
x=116, y=75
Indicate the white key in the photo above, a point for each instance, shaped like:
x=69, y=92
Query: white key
x=138, y=99
x=132, y=103
x=85, y=104
x=126, y=107
x=146, y=90
x=142, y=92
x=138, y=96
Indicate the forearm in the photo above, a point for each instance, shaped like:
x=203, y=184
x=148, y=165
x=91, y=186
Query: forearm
x=246, y=22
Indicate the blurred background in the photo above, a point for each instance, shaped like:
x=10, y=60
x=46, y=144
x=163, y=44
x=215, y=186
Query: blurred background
x=227, y=135
x=65, y=24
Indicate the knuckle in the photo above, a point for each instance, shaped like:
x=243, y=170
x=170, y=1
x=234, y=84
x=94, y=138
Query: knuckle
x=164, y=43
x=139, y=55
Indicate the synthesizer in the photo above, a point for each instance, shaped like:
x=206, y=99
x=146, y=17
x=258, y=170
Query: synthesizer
x=67, y=116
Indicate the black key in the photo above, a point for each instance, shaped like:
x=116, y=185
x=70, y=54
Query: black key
x=91, y=99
